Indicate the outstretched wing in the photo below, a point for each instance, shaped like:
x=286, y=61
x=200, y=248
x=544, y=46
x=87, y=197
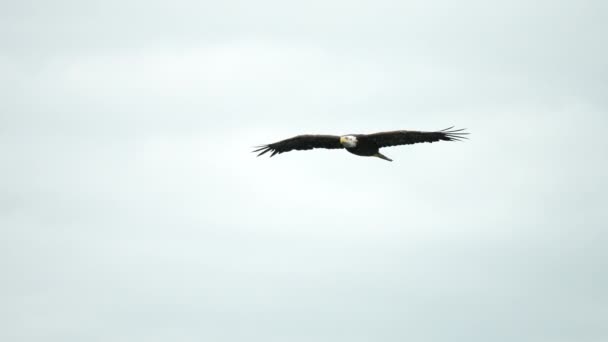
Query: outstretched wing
x=301, y=142
x=394, y=138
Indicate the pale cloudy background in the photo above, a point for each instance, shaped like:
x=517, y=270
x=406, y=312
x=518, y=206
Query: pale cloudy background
x=131, y=208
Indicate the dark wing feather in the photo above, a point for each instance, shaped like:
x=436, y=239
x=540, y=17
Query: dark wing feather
x=301, y=142
x=394, y=138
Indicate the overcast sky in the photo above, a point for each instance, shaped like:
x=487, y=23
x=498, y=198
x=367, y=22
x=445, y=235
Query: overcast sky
x=131, y=208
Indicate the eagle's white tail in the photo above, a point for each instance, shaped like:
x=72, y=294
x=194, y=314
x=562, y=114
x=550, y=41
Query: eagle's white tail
x=381, y=156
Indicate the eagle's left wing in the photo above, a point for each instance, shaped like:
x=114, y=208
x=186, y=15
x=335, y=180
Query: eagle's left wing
x=394, y=138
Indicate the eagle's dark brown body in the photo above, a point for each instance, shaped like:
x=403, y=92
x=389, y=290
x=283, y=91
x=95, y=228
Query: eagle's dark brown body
x=365, y=147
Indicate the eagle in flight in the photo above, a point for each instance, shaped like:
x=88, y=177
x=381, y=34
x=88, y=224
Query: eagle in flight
x=367, y=145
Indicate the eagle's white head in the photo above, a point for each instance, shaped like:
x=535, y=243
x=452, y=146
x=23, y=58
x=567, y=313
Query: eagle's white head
x=348, y=141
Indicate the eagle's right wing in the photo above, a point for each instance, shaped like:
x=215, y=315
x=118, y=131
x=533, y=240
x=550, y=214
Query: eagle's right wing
x=301, y=142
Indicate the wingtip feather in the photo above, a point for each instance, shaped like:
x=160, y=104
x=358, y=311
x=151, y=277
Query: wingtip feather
x=263, y=152
x=455, y=134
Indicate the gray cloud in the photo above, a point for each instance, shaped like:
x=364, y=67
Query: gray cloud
x=131, y=208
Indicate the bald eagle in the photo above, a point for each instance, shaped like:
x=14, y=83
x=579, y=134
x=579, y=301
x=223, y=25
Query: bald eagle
x=367, y=145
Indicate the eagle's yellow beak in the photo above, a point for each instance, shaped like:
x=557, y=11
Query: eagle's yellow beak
x=342, y=139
